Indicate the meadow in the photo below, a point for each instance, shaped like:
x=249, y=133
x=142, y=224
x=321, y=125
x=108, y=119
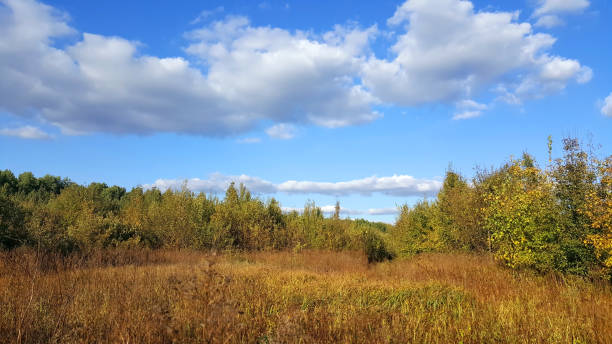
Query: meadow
x=312, y=296
x=518, y=254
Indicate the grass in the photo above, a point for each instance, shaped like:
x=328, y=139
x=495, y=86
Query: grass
x=307, y=297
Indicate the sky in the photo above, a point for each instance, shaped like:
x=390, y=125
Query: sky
x=363, y=102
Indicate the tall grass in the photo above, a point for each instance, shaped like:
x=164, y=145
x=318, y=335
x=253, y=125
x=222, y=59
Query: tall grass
x=281, y=297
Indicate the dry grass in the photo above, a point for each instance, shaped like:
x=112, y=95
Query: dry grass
x=189, y=297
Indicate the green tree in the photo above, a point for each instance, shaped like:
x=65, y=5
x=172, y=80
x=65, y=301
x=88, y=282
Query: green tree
x=522, y=216
x=415, y=231
x=27, y=183
x=12, y=229
x=574, y=179
x=8, y=182
x=458, y=216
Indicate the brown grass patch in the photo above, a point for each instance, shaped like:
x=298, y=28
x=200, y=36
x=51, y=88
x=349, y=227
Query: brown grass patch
x=282, y=297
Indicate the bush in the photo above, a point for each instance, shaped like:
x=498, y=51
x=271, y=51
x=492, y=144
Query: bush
x=12, y=229
x=375, y=248
x=415, y=230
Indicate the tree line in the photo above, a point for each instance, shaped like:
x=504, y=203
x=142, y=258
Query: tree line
x=552, y=218
x=56, y=215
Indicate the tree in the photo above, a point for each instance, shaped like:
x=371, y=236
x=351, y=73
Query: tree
x=459, y=220
x=598, y=210
x=8, y=182
x=521, y=213
x=415, y=229
x=337, y=210
x=12, y=229
x=27, y=183
x=574, y=178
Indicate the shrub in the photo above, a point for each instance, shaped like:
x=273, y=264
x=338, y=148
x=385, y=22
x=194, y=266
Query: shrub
x=521, y=214
x=375, y=248
x=12, y=229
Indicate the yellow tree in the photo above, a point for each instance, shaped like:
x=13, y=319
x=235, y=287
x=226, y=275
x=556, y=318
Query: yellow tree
x=520, y=214
x=599, y=211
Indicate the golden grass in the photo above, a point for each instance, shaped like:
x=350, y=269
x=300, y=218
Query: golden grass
x=190, y=297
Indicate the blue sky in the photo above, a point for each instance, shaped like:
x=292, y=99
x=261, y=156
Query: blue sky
x=363, y=102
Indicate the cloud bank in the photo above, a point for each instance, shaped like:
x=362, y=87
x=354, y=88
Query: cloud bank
x=330, y=209
x=236, y=76
x=396, y=185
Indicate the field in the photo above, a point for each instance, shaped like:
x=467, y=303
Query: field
x=310, y=296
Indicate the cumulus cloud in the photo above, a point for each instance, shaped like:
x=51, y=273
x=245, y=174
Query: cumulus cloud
x=448, y=51
x=281, y=131
x=26, y=132
x=237, y=76
x=467, y=115
x=548, y=21
x=284, y=76
x=560, y=6
x=468, y=109
x=104, y=84
x=606, y=109
x=548, y=11
x=396, y=185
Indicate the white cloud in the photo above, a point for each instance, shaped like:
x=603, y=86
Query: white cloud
x=560, y=6
x=205, y=14
x=448, y=52
x=287, y=77
x=26, y=132
x=383, y=211
x=469, y=109
x=246, y=75
x=548, y=12
x=467, y=115
x=252, y=74
x=549, y=21
x=470, y=104
x=399, y=185
x=282, y=131
x=330, y=209
x=396, y=185
x=606, y=109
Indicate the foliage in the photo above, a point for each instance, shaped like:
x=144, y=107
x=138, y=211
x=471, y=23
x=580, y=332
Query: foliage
x=520, y=213
x=573, y=180
x=459, y=220
x=12, y=232
x=56, y=215
x=598, y=210
x=375, y=248
x=415, y=230
x=554, y=219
